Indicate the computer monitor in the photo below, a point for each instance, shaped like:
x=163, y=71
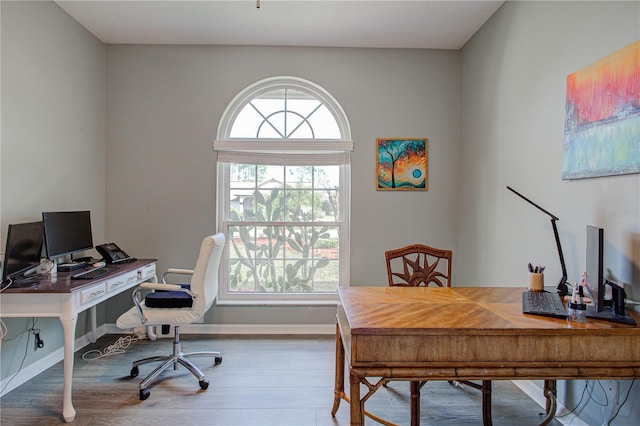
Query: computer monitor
x=23, y=250
x=67, y=232
x=595, y=266
x=605, y=309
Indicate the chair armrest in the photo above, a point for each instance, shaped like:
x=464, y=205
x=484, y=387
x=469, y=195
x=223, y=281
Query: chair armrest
x=176, y=271
x=166, y=287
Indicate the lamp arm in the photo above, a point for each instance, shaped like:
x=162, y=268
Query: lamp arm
x=562, y=285
x=553, y=217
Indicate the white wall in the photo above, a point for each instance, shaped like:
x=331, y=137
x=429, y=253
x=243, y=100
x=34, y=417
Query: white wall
x=513, y=98
x=513, y=90
x=164, y=104
x=53, y=112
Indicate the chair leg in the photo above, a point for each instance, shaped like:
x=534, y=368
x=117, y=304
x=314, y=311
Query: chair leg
x=415, y=402
x=155, y=373
x=176, y=358
x=486, y=403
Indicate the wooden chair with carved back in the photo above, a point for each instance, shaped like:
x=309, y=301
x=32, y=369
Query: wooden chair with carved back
x=417, y=265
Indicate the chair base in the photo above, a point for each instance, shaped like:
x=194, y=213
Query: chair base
x=176, y=358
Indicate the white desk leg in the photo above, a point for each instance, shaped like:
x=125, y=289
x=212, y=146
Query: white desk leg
x=69, y=327
x=94, y=325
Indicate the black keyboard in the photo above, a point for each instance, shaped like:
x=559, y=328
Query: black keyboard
x=543, y=303
x=92, y=274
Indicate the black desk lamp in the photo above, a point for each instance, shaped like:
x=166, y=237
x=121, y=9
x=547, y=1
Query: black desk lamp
x=562, y=285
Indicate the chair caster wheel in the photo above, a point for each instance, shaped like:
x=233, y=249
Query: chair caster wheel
x=144, y=394
x=134, y=372
x=218, y=360
x=204, y=384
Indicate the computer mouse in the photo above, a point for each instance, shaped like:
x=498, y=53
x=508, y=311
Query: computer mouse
x=99, y=264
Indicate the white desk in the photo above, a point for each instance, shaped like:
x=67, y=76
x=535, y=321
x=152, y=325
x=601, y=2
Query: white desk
x=64, y=298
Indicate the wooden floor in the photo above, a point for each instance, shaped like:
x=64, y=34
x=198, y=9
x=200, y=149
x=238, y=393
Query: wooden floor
x=262, y=381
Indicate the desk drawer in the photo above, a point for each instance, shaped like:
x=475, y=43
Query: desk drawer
x=122, y=281
x=147, y=272
x=114, y=284
x=92, y=293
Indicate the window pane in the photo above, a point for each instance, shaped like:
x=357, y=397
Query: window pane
x=241, y=276
x=269, y=274
x=299, y=276
x=324, y=124
x=328, y=244
x=298, y=127
x=326, y=205
x=326, y=278
x=271, y=177
x=246, y=123
x=267, y=206
x=300, y=177
x=272, y=127
x=303, y=106
x=241, y=242
x=326, y=176
x=299, y=205
x=245, y=173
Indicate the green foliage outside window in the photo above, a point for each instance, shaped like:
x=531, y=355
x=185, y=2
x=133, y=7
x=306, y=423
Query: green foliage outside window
x=284, y=239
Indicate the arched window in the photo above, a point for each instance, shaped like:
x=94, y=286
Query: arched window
x=283, y=192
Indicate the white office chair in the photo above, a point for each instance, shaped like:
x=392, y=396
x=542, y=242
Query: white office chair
x=176, y=305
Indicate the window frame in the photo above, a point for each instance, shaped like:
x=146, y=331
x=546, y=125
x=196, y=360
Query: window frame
x=290, y=152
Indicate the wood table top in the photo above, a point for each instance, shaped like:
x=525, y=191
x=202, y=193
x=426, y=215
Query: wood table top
x=459, y=310
x=476, y=332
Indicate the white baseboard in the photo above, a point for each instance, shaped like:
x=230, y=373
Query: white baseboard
x=534, y=392
x=244, y=329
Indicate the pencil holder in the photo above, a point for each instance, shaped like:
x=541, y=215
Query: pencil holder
x=536, y=281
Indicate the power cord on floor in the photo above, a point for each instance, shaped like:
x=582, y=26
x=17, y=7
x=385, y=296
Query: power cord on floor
x=118, y=347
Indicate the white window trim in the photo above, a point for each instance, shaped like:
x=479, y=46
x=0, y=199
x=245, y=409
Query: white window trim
x=273, y=83
x=264, y=151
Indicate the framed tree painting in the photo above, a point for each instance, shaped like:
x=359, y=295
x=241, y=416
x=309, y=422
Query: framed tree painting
x=402, y=164
x=602, y=118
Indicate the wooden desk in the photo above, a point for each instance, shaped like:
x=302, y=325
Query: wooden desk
x=64, y=298
x=427, y=333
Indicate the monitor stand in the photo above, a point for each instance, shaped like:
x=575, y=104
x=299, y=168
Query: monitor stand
x=606, y=315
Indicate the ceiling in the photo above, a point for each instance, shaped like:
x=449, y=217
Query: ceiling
x=425, y=24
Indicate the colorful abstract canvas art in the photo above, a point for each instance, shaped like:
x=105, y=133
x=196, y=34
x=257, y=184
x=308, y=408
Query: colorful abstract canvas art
x=602, y=118
x=401, y=164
